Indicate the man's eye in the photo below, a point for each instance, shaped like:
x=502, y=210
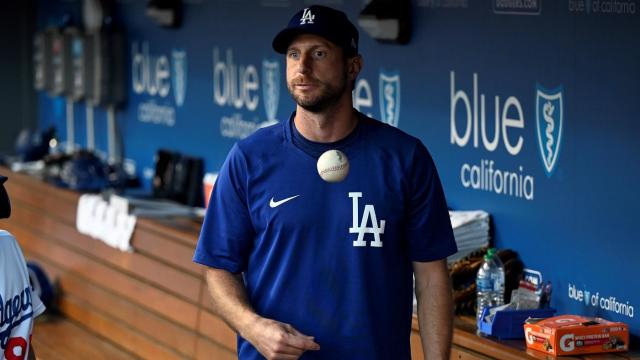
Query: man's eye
x=293, y=54
x=320, y=53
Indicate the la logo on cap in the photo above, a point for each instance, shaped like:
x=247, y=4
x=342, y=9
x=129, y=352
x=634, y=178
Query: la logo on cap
x=307, y=17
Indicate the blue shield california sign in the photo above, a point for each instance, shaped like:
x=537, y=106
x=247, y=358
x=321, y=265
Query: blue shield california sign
x=271, y=88
x=549, y=121
x=389, y=87
x=179, y=77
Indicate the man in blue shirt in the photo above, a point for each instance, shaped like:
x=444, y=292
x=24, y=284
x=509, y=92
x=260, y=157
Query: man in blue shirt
x=303, y=268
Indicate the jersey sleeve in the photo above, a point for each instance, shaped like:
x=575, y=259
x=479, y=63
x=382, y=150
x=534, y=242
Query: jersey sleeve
x=227, y=233
x=14, y=264
x=429, y=228
x=36, y=304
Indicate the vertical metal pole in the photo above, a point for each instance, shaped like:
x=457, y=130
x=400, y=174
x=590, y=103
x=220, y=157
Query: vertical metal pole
x=70, y=127
x=111, y=126
x=91, y=140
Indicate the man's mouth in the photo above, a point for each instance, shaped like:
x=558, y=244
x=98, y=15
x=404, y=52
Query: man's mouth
x=304, y=82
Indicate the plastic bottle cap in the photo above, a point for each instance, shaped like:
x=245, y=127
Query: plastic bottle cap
x=488, y=257
x=491, y=251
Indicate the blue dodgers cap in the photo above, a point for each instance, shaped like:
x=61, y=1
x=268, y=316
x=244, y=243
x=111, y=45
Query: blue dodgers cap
x=323, y=21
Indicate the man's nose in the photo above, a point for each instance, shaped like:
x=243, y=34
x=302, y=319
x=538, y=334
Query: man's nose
x=304, y=65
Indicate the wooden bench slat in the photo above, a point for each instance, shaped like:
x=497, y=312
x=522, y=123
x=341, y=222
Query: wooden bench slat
x=65, y=202
x=208, y=350
x=61, y=339
x=125, y=286
x=174, y=253
x=115, y=331
x=180, y=283
x=62, y=210
x=416, y=346
x=183, y=231
x=135, y=316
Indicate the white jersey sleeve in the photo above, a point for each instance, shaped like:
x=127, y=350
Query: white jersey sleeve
x=19, y=305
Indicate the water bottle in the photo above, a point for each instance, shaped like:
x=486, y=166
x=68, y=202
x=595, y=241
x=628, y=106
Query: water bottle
x=489, y=283
x=496, y=258
x=500, y=285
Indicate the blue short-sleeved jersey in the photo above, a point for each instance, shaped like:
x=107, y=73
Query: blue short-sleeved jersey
x=332, y=259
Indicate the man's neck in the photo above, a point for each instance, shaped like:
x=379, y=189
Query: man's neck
x=331, y=125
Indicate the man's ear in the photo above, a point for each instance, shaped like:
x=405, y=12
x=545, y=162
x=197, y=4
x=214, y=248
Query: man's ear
x=354, y=67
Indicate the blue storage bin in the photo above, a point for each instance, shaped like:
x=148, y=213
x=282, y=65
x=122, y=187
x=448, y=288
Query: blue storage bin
x=509, y=324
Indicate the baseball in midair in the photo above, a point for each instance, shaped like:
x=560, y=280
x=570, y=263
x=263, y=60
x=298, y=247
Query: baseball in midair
x=333, y=166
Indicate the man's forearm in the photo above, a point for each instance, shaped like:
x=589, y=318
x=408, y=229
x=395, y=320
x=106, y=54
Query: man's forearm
x=273, y=339
x=435, y=309
x=230, y=300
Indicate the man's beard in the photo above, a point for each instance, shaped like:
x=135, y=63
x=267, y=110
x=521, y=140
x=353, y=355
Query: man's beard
x=329, y=96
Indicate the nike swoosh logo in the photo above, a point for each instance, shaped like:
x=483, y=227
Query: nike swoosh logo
x=274, y=204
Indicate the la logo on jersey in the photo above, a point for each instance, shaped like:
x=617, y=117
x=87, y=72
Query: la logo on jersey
x=307, y=17
x=360, y=226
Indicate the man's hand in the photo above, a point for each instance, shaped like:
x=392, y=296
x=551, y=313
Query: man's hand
x=276, y=340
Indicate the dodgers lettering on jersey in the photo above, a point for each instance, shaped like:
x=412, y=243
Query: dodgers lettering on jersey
x=332, y=259
x=14, y=311
x=18, y=304
x=361, y=228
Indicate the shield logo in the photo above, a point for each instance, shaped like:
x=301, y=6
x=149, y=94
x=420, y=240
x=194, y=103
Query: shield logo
x=271, y=88
x=549, y=119
x=179, y=76
x=389, y=87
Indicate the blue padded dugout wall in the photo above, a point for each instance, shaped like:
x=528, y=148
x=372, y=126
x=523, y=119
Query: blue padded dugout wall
x=528, y=108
